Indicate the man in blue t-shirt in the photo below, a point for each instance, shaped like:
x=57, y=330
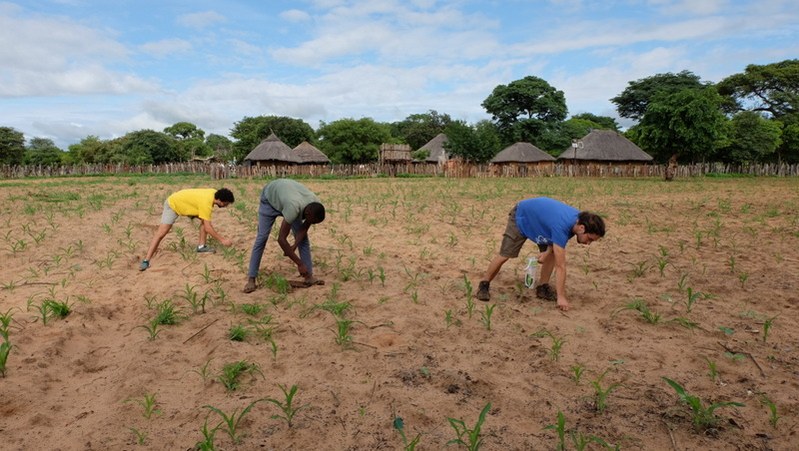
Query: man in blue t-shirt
x=550, y=224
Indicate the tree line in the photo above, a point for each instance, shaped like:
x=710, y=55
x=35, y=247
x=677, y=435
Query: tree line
x=749, y=117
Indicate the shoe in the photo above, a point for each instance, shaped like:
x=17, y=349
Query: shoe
x=545, y=291
x=482, y=291
x=144, y=265
x=205, y=249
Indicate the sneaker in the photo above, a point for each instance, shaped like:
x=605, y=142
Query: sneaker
x=545, y=291
x=205, y=249
x=482, y=291
x=144, y=265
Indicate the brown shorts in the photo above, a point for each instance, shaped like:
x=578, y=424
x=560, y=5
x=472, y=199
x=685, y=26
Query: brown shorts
x=512, y=239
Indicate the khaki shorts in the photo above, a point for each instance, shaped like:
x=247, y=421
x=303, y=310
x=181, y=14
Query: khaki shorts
x=513, y=240
x=168, y=216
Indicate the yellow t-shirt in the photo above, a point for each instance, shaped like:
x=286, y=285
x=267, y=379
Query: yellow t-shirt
x=193, y=202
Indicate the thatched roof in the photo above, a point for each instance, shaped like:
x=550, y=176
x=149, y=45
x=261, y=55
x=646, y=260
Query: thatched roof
x=310, y=154
x=436, y=148
x=522, y=152
x=273, y=149
x=606, y=145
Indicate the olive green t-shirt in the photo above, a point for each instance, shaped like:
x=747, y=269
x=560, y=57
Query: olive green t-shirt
x=288, y=197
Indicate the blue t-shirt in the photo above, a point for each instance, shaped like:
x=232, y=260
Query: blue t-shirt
x=546, y=221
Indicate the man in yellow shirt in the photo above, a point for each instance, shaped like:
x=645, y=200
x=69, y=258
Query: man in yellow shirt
x=194, y=203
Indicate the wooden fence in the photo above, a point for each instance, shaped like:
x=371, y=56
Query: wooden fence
x=221, y=171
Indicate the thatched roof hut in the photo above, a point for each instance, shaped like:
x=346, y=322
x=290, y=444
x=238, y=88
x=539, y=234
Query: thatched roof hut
x=272, y=151
x=605, y=146
x=309, y=154
x=522, y=152
x=436, y=148
x=395, y=153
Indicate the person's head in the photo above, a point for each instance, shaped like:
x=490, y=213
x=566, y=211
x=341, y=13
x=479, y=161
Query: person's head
x=589, y=228
x=314, y=213
x=224, y=197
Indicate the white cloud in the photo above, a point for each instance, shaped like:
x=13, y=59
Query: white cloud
x=166, y=47
x=295, y=15
x=201, y=20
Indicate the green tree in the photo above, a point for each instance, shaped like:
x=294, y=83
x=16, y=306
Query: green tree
x=688, y=124
x=417, y=130
x=601, y=122
x=189, y=139
x=752, y=138
x=150, y=147
x=771, y=88
x=12, y=146
x=476, y=144
x=788, y=152
x=220, y=145
x=353, y=141
x=632, y=103
x=250, y=131
x=43, y=151
x=559, y=138
x=525, y=109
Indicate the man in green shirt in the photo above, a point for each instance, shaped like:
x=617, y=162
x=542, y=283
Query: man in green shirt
x=300, y=209
x=194, y=203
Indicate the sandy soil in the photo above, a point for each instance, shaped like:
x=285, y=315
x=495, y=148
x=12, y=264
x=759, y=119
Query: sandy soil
x=396, y=256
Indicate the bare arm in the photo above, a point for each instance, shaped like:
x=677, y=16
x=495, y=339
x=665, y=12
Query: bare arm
x=560, y=271
x=288, y=249
x=209, y=229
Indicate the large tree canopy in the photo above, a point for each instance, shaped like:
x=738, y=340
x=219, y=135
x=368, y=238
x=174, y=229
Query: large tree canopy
x=148, y=146
x=189, y=139
x=771, y=88
x=688, y=124
x=250, y=131
x=353, y=141
x=12, y=146
x=417, y=130
x=43, y=151
x=634, y=100
x=752, y=138
x=477, y=144
x=524, y=109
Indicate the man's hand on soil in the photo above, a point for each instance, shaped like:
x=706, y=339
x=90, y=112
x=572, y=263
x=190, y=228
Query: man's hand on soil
x=563, y=304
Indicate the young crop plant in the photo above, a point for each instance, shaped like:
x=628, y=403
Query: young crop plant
x=578, y=439
x=148, y=404
x=58, y=309
x=640, y=306
x=702, y=417
x=557, y=343
x=287, y=405
x=237, y=333
x=207, y=443
x=601, y=394
x=167, y=313
x=577, y=373
x=5, y=349
x=485, y=316
x=466, y=437
x=773, y=417
x=767, y=327
x=407, y=445
x=141, y=436
x=343, y=337
x=231, y=422
x=231, y=373
x=5, y=323
x=152, y=329
x=205, y=370
x=712, y=369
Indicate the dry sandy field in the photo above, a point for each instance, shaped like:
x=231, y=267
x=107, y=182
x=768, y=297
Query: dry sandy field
x=682, y=333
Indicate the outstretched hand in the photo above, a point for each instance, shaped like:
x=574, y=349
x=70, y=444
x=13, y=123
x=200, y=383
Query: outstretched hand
x=563, y=304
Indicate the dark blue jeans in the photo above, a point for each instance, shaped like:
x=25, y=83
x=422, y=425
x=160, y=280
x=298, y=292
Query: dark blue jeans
x=266, y=218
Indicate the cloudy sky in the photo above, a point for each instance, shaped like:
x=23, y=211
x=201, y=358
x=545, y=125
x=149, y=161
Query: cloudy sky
x=73, y=68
